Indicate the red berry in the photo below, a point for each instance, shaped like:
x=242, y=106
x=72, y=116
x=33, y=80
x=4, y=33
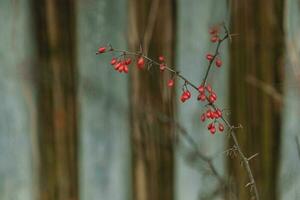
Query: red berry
x=162, y=67
x=208, y=113
x=125, y=69
x=219, y=112
x=202, y=117
x=185, y=96
x=216, y=115
x=188, y=93
x=201, y=88
x=214, y=31
x=214, y=39
x=209, y=56
x=101, y=50
x=213, y=130
x=141, y=63
x=214, y=95
x=208, y=88
x=121, y=68
x=161, y=58
x=210, y=126
x=170, y=83
x=201, y=97
x=221, y=127
x=218, y=63
x=113, y=61
x=117, y=66
x=211, y=99
x=128, y=61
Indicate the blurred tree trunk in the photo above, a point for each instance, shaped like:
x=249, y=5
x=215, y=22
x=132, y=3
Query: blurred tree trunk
x=54, y=26
x=256, y=69
x=152, y=24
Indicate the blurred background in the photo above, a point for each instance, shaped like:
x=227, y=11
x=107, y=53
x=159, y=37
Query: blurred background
x=73, y=128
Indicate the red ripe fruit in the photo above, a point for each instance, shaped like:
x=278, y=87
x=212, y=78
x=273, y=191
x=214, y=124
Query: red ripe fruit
x=201, y=97
x=162, y=67
x=208, y=113
x=202, y=117
x=117, y=66
x=188, y=94
x=101, y=50
x=201, y=89
x=125, y=69
x=141, y=63
x=121, y=68
x=221, y=127
x=212, y=115
x=211, y=99
x=209, y=56
x=128, y=61
x=208, y=88
x=113, y=61
x=214, y=30
x=212, y=130
x=219, y=112
x=216, y=115
x=214, y=39
x=170, y=83
x=183, y=98
x=161, y=59
x=214, y=95
x=210, y=126
x=218, y=63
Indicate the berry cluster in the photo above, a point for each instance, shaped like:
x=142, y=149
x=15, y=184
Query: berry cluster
x=206, y=93
x=121, y=65
x=186, y=94
x=213, y=115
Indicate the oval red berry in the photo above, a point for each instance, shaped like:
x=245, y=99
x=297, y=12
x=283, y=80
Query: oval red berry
x=141, y=63
x=101, y=50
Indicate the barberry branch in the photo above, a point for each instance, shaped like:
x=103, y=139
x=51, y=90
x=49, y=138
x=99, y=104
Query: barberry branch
x=215, y=114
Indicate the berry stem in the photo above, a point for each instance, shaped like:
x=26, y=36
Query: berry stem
x=245, y=161
x=213, y=58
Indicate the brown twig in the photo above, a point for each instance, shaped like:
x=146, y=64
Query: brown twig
x=244, y=159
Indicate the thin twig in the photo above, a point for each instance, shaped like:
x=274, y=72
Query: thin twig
x=244, y=159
